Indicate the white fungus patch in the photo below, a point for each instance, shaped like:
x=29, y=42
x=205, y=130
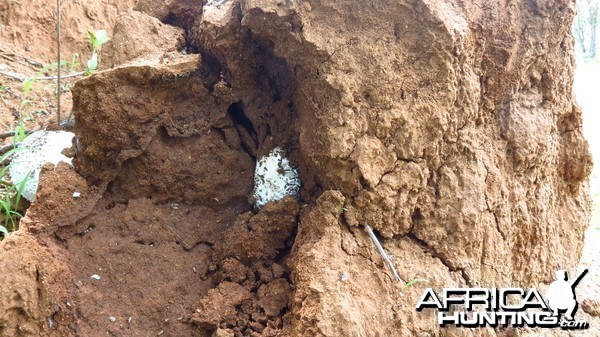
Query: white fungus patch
x=38, y=148
x=274, y=178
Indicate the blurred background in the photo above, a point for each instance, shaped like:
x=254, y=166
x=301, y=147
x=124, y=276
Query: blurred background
x=586, y=86
x=587, y=93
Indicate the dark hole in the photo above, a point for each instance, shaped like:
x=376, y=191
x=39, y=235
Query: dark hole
x=417, y=216
x=236, y=112
x=210, y=70
x=171, y=19
x=110, y=205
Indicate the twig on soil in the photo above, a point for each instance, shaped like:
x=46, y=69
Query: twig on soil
x=7, y=134
x=8, y=58
x=81, y=73
x=14, y=75
x=31, y=61
x=58, y=63
x=23, y=78
x=383, y=254
x=27, y=59
x=7, y=89
x=6, y=148
x=6, y=103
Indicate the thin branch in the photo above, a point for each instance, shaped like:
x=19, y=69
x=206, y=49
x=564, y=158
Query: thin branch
x=8, y=58
x=14, y=75
x=6, y=148
x=22, y=78
x=33, y=62
x=28, y=59
x=7, y=134
x=383, y=254
x=46, y=78
x=58, y=63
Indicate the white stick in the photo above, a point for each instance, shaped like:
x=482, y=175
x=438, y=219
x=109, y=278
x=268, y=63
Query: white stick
x=384, y=255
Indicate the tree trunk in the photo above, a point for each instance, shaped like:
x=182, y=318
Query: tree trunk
x=580, y=26
x=592, y=49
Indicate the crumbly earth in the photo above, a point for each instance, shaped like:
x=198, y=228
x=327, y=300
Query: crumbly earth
x=448, y=127
x=30, y=26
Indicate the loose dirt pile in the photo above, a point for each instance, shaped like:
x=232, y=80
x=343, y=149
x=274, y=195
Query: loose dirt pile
x=448, y=127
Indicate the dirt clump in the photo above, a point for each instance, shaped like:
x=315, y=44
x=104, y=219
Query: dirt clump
x=149, y=36
x=31, y=279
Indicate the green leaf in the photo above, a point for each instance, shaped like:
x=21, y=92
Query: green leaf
x=6, y=208
x=98, y=38
x=10, y=153
x=27, y=85
x=20, y=187
x=55, y=64
x=19, y=133
x=92, y=63
x=101, y=38
x=3, y=230
x=92, y=37
x=410, y=284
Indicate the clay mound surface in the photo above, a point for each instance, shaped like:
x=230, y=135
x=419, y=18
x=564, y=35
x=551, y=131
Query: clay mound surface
x=30, y=26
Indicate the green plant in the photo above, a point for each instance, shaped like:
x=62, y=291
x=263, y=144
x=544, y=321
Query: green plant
x=26, y=101
x=97, y=39
x=20, y=132
x=28, y=83
x=9, y=201
x=10, y=196
x=74, y=64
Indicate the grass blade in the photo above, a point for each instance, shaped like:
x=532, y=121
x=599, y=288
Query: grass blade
x=410, y=284
x=20, y=188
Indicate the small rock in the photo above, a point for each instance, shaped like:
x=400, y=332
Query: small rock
x=343, y=276
x=112, y=319
x=223, y=333
x=76, y=194
x=95, y=277
x=277, y=270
